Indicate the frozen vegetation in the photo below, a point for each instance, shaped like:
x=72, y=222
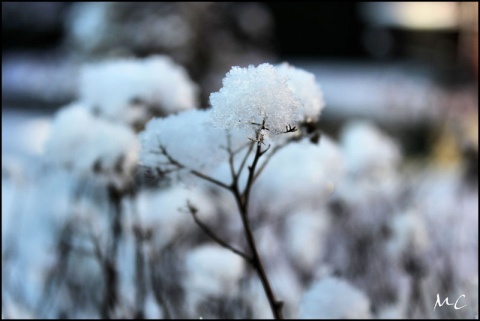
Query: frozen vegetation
x=145, y=205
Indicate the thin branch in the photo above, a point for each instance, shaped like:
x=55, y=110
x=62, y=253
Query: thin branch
x=244, y=160
x=193, y=210
x=275, y=304
x=242, y=201
x=194, y=172
x=231, y=156
x=267, y=159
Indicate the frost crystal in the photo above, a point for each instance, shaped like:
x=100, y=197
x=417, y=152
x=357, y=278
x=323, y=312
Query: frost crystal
x=131, y=90
x=252, y=95
x=304, y=86
x=89, y=145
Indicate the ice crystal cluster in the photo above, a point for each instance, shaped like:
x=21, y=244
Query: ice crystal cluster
x=91, y=145
x=132, y=90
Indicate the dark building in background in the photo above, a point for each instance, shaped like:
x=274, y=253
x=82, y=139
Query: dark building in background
x=318, y=30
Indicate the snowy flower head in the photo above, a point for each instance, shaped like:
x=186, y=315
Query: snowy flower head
x=132, y=90
x=92, y=146
x=253, y=95
x=304, y=86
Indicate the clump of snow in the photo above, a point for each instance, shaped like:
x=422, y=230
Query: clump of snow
x=132, y=90
x=92, y=146
x=334, y=298
x=189, y=139
x=252, y=95
x=302, y=83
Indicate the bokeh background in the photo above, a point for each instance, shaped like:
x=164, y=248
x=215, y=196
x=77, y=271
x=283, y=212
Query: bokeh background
x=408, y=68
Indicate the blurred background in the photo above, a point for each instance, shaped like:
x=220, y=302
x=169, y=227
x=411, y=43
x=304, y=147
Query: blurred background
x=409, y=68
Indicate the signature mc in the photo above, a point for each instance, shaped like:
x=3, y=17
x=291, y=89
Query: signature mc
x=440, y=304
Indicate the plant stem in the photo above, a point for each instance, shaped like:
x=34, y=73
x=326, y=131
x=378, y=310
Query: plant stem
x=242, y=202
x=110, y=261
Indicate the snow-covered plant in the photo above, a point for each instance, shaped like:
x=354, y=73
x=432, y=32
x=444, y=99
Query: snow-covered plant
x=91, y=146
x=258, y=98
x=133, y=90
x=254, y=105
x=99, y=150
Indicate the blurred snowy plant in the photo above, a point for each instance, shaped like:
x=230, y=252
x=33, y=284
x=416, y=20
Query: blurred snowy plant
x=371, y=162
x=133, y=90
x=253, y=95
x=186, y=142
x=212, y=271
x=254, y=104
x=319, y=169
x=368, y=149
x=92, y=146
x=160, y=213
x=334, y=298
x=409, y=235
x=305, y=238
x=303, y=84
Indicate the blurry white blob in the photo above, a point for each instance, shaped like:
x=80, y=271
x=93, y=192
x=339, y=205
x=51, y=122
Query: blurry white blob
x=334, y=298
